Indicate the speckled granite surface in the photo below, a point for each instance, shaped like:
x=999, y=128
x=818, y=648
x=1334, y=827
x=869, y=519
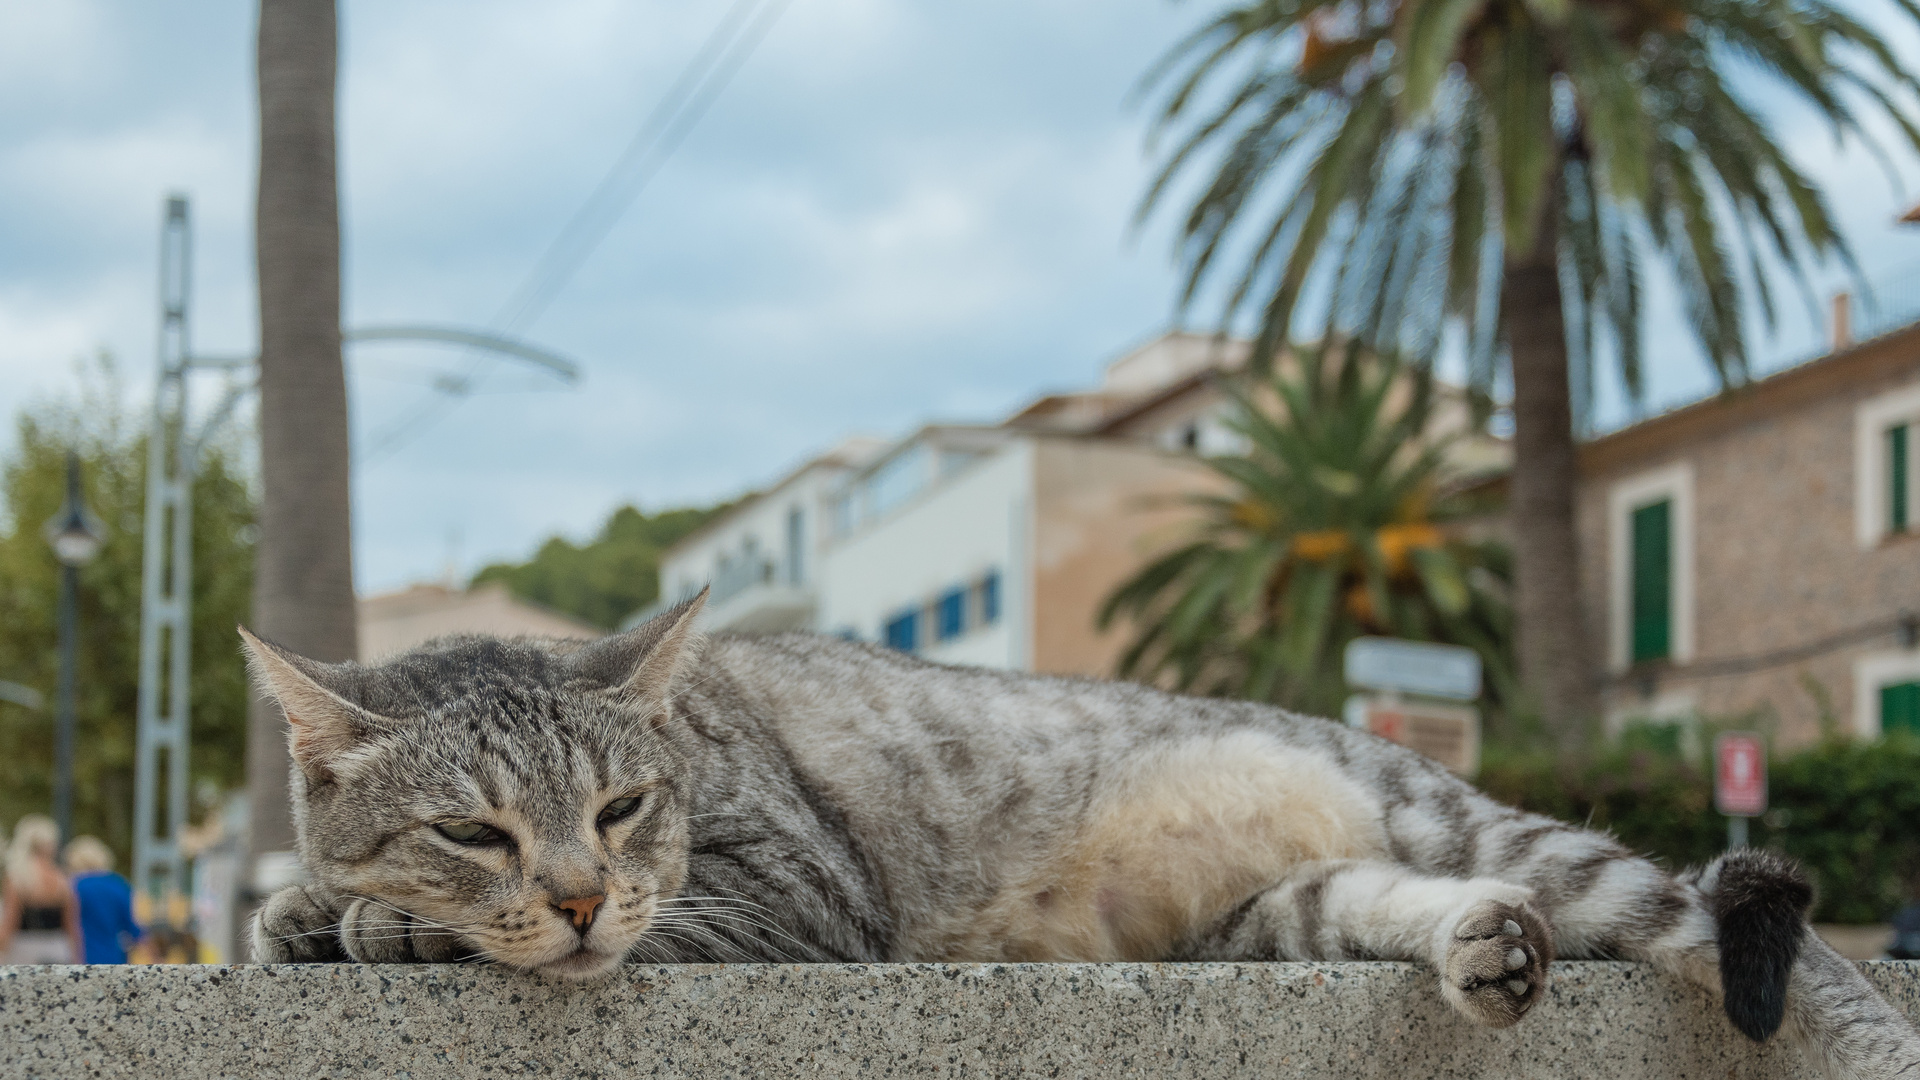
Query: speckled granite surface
x=1066, y=1020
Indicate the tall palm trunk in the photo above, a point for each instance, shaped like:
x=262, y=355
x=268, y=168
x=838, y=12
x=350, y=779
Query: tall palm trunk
x=303, y=573
x=1555, y=662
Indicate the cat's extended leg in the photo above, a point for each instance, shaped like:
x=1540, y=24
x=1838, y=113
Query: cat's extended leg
x=1485, y=936
x=1737, y=928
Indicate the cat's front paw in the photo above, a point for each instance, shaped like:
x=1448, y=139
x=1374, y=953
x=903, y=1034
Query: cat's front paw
x=296, y=926
x=1496, y=962
x=379, y=933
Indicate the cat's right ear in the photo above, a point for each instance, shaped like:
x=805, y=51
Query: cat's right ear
x=644, y=664
x=321, y=725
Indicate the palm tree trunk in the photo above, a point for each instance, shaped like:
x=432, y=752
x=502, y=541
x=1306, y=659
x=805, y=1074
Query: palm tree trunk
x=1555, y=662
x=303, y=570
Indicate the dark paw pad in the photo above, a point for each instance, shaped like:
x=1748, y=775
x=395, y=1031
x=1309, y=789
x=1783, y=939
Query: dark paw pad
x=1496, y=965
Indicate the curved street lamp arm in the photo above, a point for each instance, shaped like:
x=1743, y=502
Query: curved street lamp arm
x=559, y=365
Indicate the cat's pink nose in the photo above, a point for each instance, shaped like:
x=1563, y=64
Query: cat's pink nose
x=580, y=909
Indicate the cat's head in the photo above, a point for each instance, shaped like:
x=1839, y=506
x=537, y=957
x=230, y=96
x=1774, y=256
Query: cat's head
x=522, y=793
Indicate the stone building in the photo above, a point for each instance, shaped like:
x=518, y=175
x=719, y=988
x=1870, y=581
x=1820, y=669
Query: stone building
x=1757, y=552
x=394, y=622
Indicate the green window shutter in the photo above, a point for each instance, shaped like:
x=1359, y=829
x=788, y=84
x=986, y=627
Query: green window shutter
x=1900, y=708
x=1652, y=594
x=1898, y=513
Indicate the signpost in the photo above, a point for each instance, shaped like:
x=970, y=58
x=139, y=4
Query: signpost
x=1422, y=697
x=1739, y=781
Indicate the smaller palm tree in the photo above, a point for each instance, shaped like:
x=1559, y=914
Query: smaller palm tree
x=1336, y=522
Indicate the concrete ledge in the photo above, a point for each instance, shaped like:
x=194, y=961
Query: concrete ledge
x=1069, y=1020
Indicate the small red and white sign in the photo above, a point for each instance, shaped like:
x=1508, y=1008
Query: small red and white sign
x=1740, y=774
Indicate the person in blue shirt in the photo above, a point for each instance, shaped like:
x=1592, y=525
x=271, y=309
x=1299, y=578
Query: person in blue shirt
x=107, y=929
x=1906, y=933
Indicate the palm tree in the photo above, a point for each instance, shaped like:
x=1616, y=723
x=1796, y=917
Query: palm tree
x=1459, y=162
x=1334, y=523
x=303, y=570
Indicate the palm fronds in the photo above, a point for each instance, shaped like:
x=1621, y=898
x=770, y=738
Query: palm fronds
x=1398, y=146
x=1335, y=523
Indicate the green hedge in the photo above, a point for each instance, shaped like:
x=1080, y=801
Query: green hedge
x=1848, y=810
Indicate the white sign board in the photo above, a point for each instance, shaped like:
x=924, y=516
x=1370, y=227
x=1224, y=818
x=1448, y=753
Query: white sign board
x=1447, y=733
x=1413, y=667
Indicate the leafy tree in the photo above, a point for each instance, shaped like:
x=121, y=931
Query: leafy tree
x=1334, y=523
x=112, y=452
x=1461, y=160
x=611, y=576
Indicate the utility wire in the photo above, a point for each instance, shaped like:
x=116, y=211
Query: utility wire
x=739, y=32
x=1905, y=626
x=711, y=69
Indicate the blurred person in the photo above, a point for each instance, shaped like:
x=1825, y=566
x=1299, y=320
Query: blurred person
x=1906, y=933
x=39, y=914
x=107, y=925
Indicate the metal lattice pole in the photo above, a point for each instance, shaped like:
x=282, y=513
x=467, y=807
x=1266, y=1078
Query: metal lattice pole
x=166, y=587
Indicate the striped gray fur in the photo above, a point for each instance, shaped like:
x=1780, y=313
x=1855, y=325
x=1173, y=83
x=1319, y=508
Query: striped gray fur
x=807, y=799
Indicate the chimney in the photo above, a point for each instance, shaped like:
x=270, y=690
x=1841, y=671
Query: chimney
x=1842, y=321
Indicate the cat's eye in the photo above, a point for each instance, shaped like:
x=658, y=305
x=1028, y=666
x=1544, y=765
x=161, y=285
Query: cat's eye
x=619, y=808
x=471, y=832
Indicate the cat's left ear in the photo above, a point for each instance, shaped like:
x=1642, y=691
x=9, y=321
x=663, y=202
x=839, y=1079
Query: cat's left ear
x=644, y=664
x=321, y=723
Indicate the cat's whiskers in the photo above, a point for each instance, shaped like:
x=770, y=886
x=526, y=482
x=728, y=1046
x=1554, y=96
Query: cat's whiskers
x=688, y=921
x=409, y=918
x=717, y=941
x=754, y=914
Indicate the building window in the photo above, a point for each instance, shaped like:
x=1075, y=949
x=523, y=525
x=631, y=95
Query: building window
x=897, y=481
x=990, y=598
x=950, y=615
x=903, y=631
x=796, y=547
x=1652, y=596
x=1884, y=495
x=1900, y=708
x=1650, y=543
x=1899, y=464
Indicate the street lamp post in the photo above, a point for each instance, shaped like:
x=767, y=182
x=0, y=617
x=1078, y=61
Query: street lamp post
x=75, y=536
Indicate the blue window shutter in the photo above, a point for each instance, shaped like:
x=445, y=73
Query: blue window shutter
x=950, y=615
x=903, y=631
x=990, y=598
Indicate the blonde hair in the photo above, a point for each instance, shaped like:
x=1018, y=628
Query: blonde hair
x=34, y=836
x=87, y=855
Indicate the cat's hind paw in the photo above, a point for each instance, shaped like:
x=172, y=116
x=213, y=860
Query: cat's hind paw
x=294, y=926
x=1496, y=962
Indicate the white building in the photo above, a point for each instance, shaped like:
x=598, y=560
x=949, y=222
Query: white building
x=978, y=544
x=763, y=557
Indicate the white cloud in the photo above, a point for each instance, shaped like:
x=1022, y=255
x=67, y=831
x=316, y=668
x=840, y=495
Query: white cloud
x=898, y=211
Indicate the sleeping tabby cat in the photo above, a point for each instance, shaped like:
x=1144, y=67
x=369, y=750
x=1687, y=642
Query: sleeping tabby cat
x=563, y=807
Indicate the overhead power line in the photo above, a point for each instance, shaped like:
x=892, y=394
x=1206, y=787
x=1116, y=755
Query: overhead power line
x=739, y=32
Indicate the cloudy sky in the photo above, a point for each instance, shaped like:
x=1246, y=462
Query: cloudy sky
x=897, y=212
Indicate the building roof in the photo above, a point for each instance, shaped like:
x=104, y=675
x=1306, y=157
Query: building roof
x=1784, y=391
x=393, y=622
x=852, y=452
